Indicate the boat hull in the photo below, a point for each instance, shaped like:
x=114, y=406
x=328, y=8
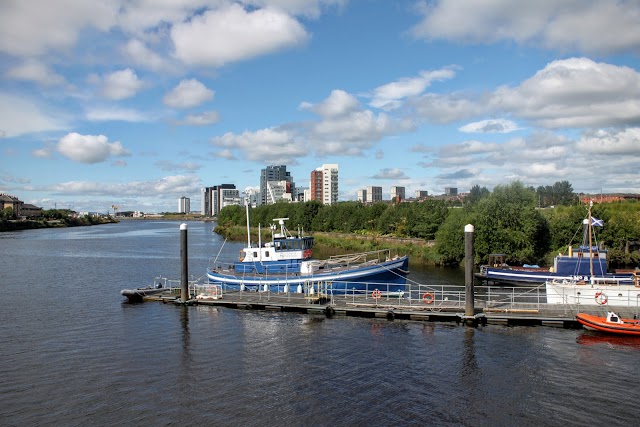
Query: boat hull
x=386, y=276
x=629, y=327
x=137, y=295
x=530, y=277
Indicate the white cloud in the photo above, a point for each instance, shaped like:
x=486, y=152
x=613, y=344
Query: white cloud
x=231, y=34
x=592, y=26
x=226, y=154
x=611, y=142
x=43, y=153
x=167, y=187
x=36, y=71
x=338, y=103
x=347, y=129
x=105, y=114
x=490, y=126
x=469, y=147
x=168, y=165
x=118, y=85
x=575, y=92
x=201, y=119
x=89, y=148
x=390, y=173
x=29, y=28
x=20, y=115
x=389, y=96
x=142, y=16
x=568, y=93
x=265, y=145
x=142, y=56
x=308, y=8
x=448, y=108
x=188, y=94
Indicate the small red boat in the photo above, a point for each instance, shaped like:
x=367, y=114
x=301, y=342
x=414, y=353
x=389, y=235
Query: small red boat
x=612, y=323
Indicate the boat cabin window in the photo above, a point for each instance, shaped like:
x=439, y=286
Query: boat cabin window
x=266, y=254
x=613, y=319
x=255, y=254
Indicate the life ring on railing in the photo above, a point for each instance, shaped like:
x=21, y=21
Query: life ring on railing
x=241, y=257
x=601, y=298
x=376, y=294
x=428, y=298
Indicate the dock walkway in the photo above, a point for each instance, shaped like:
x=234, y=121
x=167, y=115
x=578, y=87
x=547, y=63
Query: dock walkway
x=393, y=308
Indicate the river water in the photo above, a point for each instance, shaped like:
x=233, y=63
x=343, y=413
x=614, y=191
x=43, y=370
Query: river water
x=73, y=353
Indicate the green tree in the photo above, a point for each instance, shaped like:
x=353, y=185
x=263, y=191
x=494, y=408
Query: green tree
x=475, y=194
x=450, y=237
x=6, y=213
x=508, y=222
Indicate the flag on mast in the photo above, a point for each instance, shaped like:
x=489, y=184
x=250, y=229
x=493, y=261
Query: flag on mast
x=595, y=222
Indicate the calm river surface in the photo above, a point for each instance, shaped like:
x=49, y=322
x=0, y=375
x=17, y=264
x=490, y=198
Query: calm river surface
x=72, y=353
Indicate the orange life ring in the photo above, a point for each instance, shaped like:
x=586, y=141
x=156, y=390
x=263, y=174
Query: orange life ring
x=428, y=298
x=601, y=298
x=376, y=294
x=241, y=257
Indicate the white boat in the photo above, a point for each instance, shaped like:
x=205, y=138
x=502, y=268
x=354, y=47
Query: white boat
x=595, y=292
x=594, y=289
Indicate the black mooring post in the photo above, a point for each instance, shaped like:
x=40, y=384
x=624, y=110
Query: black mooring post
x=469, y=309
x=184, y=259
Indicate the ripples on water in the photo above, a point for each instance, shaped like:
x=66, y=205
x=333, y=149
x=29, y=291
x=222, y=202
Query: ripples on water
x=74, y=354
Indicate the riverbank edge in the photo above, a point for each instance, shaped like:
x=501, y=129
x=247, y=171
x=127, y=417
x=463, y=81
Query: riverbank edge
x=29, y=224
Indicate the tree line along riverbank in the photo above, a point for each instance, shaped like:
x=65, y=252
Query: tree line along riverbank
x=507, y=220
x=36, y=223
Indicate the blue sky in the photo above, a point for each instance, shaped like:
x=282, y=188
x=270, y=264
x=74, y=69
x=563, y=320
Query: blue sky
x=137, y=103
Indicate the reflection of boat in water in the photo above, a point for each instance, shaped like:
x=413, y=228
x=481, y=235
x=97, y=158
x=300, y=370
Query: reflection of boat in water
x=585, y=263
x=285, y=264
x=612, y=324
x=588, y=337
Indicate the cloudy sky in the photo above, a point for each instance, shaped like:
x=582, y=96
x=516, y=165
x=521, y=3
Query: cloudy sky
x=139, y=102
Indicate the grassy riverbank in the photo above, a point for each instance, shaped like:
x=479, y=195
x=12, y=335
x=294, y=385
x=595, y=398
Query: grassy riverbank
x=421, y=252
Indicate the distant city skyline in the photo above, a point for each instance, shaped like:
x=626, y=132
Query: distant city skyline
x=135, y=105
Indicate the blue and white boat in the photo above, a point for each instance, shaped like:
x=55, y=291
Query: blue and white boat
x=285, y=264
x=585, y=264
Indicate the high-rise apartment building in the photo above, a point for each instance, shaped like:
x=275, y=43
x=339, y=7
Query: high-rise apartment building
x=275, y=174
x=374, y=194
x=397, y=194
x=184, y=205
x=324, y=184
x=362, y=195
x=451, y=191
x=422, y=194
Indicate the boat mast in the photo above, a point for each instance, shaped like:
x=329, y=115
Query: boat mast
x=590, y=241
x=248, y=232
